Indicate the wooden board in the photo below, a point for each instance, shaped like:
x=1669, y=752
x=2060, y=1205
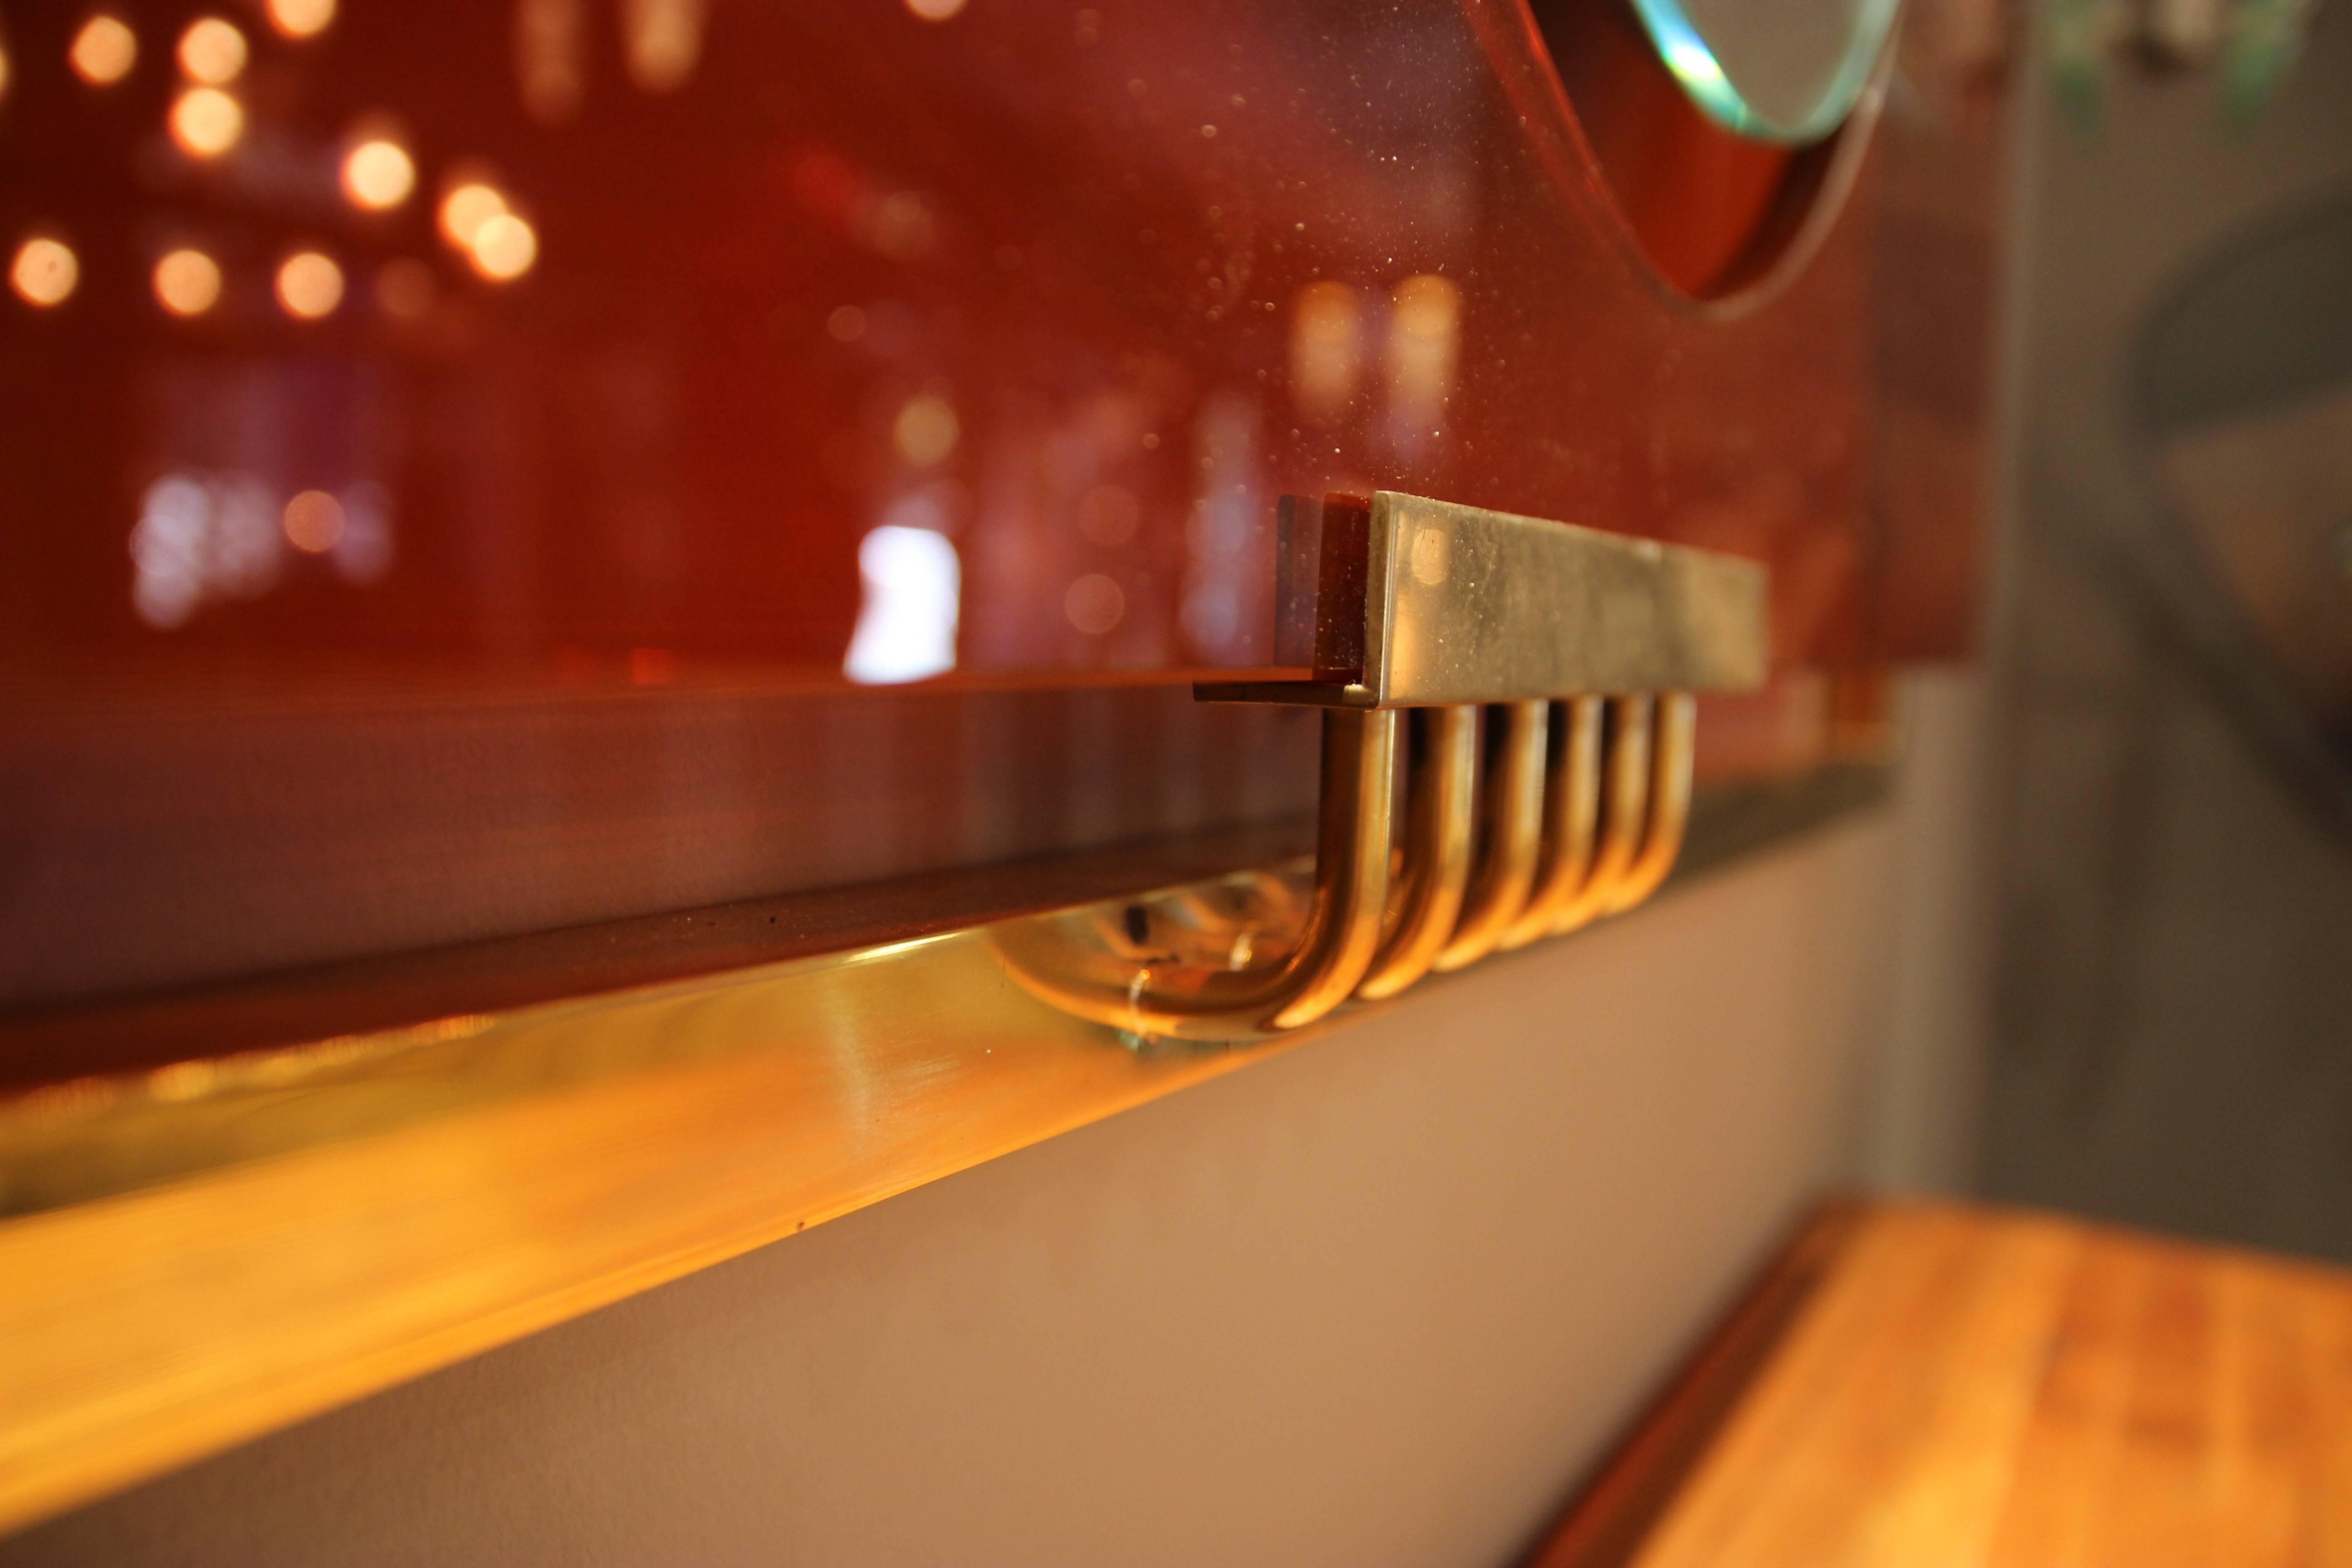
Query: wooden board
x=1972, y=1387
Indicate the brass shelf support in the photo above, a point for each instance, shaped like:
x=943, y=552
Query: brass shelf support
x=1583, y=650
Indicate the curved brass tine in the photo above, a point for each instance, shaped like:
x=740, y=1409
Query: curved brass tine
x=1670, y=798
x=1624, y=808
x=1571, y=812
x=1052, y=958
x=1441, y=818
x=1506, y=869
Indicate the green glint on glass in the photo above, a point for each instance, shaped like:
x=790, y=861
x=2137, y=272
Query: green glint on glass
x=1694, y=64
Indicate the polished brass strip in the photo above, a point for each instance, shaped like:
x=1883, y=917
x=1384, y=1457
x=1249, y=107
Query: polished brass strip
x=1441, y=788
x=1514, y=796
x=1571, y=815
x=1624, y=812
x=1068, y=959
x=1464, y=604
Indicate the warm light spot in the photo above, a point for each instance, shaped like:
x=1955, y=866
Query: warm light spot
x=206, y=121
x=466, y=208
x=378, y=174
x=405, y=290
x=310, y=285
x=1424, y=347
x=926, y=430
x=551, y=42
x=906, y=622
x=935, y=10
x=103, y=52
x=44, y=272
x=1093, y=603
x=187, y=282
x=4, y=70
x=661, y=40
x=847, y=324
x=301, y=19
x=212, y=51
x=1326, y=350
x=504, y=248
x=313, y=521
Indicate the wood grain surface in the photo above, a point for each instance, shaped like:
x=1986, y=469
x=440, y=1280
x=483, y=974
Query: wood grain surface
x=1974, y=1387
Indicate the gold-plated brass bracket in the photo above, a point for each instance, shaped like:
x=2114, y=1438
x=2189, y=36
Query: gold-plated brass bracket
x=1584, y=651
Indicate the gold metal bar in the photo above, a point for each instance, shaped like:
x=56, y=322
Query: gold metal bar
x=1571, y=815
x=1507, y=869
x=1441, y=821
x=1670, y=797
x=1464, y=605
x=1062, y=959
x=1624, y=811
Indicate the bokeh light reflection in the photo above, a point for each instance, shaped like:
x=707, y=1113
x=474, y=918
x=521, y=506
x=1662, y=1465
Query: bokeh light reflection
x=44, y=272
x=212, y=51
x=378, y=174
x=504, y=248
x=310, y=285
x=187, y=282
x=907, y=621
x=103, y=51
x=926, y=431
x=301, y=19
x=206, y=122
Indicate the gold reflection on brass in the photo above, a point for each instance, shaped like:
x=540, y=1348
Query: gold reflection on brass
x=1624, y=812
x=187, y=282
x=206, y=122
x=313, y=522
x=212, y=51
x=550, y=40
x=1441, y=789
x=926, y=431
x=301, y=19
x=661, y=40
x=1326, y=350
x=103, y=51
x=504, y=248
x=310, y=285
x=1572, y=817
x=44, y=272
x=1673, y=747
x=378, y=174
x=1508, y=851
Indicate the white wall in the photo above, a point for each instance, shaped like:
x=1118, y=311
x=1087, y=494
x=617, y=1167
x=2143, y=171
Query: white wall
x=1376, y=1301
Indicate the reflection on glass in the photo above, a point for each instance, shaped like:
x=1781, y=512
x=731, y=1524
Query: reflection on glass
x=468, y=205
x=378, y=174
x=187, y=282
x=103, y=51
x=199, y=536
x=206, y=121
x=405, y=290
x=1786, y=72
x=926, y=431
x=1424, y=347
x=504, y=247
x=310, y=285
x=907, y=621
x=301, y=19
x=44, y=272
x=662, y=39
x=1325, y=326
x=212, y=51
x=1093, y=603
x=551, y=44
x=313, y=522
